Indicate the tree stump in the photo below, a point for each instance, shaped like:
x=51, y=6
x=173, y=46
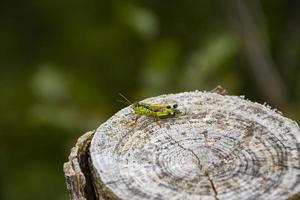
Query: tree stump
x=220, y=147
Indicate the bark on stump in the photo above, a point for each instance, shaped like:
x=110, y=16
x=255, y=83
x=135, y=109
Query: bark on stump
x=220, y=147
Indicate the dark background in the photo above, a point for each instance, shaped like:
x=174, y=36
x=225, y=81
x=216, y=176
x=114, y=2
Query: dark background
x=63, y=63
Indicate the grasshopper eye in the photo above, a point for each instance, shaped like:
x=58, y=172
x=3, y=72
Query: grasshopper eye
x=175, y=106
x=168, y=107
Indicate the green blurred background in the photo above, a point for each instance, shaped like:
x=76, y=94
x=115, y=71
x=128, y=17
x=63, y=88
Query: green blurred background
x=64, y=62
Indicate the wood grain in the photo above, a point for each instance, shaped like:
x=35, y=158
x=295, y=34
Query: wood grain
x=77, y=172
x=220, y=147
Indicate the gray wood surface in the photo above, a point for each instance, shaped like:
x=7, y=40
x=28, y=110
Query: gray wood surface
x=220, y=147
x=77, y=172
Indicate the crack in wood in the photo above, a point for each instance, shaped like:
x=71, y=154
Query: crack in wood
x=212, y=184
x=77, y=170
x=199, y=165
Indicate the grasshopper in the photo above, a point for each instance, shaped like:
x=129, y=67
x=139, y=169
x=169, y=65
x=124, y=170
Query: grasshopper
x=158, y=111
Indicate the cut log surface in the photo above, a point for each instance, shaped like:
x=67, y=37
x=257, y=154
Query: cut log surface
x=220, y=147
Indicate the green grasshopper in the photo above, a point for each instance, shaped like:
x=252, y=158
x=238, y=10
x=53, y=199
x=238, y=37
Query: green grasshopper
x=158, y=111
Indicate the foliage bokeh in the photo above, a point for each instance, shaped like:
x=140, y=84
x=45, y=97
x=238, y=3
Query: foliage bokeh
x=63, y=64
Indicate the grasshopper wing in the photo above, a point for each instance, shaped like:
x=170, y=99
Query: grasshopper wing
x=156, y=107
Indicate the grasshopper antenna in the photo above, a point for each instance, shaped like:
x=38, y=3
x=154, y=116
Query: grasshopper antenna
x=122, y=101
x=126, y=100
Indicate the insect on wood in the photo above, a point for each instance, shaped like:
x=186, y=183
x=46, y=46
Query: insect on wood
x=155, y=110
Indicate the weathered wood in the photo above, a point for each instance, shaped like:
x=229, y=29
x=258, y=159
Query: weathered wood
x=77, y=170
x=221, y=147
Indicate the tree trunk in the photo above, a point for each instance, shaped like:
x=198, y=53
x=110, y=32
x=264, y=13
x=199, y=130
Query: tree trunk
x=220, y=147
